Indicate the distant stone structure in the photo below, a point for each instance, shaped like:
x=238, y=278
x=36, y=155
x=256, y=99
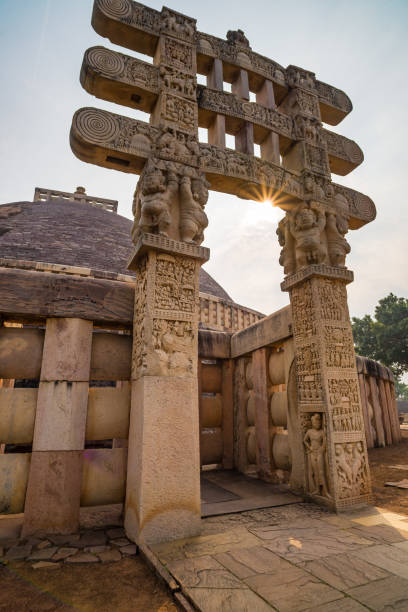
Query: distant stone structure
x=80, y=195
x=297, y=158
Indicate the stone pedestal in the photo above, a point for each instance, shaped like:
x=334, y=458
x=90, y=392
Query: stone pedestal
x=163, y=482
x=329, y=405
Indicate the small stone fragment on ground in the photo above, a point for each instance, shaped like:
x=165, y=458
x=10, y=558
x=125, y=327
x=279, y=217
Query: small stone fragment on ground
x=96, y=538
x=45, y=565
x=18, y=552
x=117, y=532
x=128, y=550
x=96, y=549
x=43, y=554
x=60, y=540
x=43, y=544
x=82, y=558
x=120, y=542
x=110, y=555
x=64, y=553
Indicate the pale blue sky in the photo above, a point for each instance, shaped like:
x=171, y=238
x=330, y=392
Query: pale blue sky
x=359, y=46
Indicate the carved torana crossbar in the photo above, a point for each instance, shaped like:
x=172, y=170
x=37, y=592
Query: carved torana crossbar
x=297, y=153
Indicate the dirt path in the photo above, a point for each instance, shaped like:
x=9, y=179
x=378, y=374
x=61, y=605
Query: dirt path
x=383, y=464
x=129, y=585
x=125, y=586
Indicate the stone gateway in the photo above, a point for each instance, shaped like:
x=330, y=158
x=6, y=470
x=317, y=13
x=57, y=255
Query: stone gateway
x=297, y=158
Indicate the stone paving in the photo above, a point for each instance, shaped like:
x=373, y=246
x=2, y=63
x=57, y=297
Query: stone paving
x=88, y=546
x=289, y=558
x=294, y=558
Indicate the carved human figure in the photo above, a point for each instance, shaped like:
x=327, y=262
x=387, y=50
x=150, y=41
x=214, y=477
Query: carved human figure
x=193, y=198
x=286, y=241
x=172, y=342
x=237, y=37
x=356, y=466
x=344, y=470
x=336, y=228
x=313, y=189
x=155, y=197
x=306, y=226
x=315, y=443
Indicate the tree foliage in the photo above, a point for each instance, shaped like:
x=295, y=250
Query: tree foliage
x=385, y=338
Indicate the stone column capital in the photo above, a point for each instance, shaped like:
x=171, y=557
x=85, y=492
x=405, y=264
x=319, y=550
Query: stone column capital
x=146, y=242
x=321, y=270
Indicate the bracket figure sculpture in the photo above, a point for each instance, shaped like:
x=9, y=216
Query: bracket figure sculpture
x=298, y=155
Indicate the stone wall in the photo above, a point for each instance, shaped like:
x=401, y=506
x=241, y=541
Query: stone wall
x=63, y=414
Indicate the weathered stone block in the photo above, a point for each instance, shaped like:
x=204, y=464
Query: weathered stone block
x=211, y=446
x=211, y=378
x=67, y=350
x=163, y=477
x=61, y=416
x=111, y=356
x=211, y=410
x=103, y=476
x=108, y=413
x=14, y=468
x=53, y=492
x=17, y=415
x=20, y=352
x=274, y=328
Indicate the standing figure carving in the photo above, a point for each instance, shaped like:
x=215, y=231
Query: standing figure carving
x=152, y=202
x=286, y=241
x=306, y=226
x=193, y=198
x=315, y=443
x=336, y=228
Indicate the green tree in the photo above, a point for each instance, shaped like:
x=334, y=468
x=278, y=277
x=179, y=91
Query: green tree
x=385, y=338
x=401, y=390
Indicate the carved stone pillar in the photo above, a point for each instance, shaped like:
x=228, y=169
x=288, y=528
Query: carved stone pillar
x=163, y=478
x=215, y=80
x=329, y=405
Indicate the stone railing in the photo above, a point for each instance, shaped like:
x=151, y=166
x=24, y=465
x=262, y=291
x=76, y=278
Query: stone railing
x=222, y=315
x=379, y=404
x=43, y=195
x=247, y=389
x=50, y=315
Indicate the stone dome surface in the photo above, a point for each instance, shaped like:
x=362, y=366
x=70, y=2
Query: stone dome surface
x=73, y=234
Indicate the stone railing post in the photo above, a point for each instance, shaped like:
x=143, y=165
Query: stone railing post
x=215, y=80
x=270, y=145
x=54, y=485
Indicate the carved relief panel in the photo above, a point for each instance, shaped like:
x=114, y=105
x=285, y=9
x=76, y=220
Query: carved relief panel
x=315, y=444
x=351, y=471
